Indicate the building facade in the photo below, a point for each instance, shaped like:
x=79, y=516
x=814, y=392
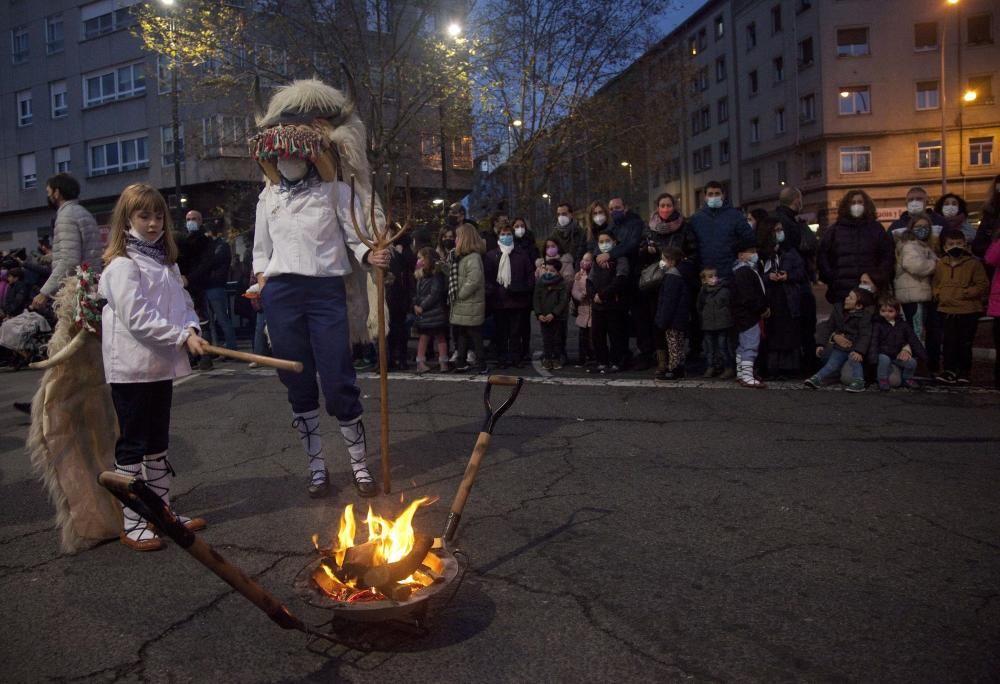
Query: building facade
x=80, y=95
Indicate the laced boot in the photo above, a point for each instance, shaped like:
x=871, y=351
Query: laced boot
x=159, y=475
x=353, y=432
x=307, y=425
x=137, y=534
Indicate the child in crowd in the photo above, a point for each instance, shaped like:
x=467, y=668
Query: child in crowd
x=147, y=324
x=607, y=286
x=550, y=305
x=748, y=307
x=894, y=344
x=671, y=316
x=992, y=258
x=848, y=333
x=582, y=299
x=716, y=323
x=468, y=300
x=554, y=250
x=431, y=309
x=959, y=286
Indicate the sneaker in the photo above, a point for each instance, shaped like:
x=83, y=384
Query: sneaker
x=547, y=364
x=454, y=357
x=709, y=373
x=580, y=363
x=962, y=380
x=856, y=386
x=483, y=370
x=461, y=369
x=883, y=386
x=911, y=384
x=614, y=368
x=813, y=382
x=599, y=368
x=253, y=364
x=946, y=377
x=557, y=364
x=728, y=374
x=421, y=367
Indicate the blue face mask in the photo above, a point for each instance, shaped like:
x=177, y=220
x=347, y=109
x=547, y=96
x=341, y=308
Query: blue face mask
x=605, y=247
x=192, y=226
x=550, y=277
x=780, y=236
x=714, y=202
x=754, y=258
x=617, y=215
x=506, y=240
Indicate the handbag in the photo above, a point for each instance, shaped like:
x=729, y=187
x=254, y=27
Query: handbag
x=651, y=278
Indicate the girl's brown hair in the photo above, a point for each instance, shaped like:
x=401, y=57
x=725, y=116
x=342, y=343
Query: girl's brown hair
x=467, y=241
x=430, y=257
x=138, y=197
x=844, y=208
x=591, y=232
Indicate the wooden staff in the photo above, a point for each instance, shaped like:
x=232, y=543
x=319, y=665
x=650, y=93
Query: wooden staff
x=280, y=364
x=382, y=238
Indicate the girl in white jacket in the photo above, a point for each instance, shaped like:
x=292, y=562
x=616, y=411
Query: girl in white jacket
x=148, y=325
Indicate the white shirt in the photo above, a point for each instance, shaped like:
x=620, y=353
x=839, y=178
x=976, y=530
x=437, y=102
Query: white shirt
x=307, y=232
x=144, y=324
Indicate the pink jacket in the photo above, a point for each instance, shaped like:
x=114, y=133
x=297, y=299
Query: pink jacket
x=993, y=259
x=582, y=299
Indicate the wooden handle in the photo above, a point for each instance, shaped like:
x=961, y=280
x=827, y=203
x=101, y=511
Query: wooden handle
x=470, y=473
x=504, y=380
x=280, y=364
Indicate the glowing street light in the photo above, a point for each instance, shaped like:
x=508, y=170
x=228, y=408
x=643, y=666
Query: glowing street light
x=845, y=94
x=516, y=123
x=454, y=29
x=970, y=96
x=437, y=202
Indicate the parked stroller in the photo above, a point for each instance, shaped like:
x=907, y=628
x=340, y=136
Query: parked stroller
x=25, y=337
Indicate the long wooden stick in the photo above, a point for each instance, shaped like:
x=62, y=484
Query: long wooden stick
x=280, y=364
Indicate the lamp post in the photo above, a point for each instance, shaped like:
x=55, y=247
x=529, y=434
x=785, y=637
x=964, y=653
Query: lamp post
x=944, y=99
x=628, y=164
x=175, y=113
x=453, y=31
x=516, y=123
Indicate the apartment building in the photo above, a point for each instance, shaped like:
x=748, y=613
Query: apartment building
x=79, y=95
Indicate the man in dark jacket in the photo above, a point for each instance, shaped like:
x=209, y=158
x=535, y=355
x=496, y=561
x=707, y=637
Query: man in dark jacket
x=216, y=299
x=719, y=228
x=917, y=202
x=627, y=228
x=16, y=299
x=799, y=236
x=194, y=259
x=570, y=234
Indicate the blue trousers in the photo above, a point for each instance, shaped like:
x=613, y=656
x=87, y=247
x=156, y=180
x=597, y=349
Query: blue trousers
x=259, y=339
x=718, y=348
x=748, y=343
x=307, y=320
x=835, y=360
x=218, y=312
x=885, y=365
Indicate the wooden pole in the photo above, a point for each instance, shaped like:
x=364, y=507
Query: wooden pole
x=383, y=372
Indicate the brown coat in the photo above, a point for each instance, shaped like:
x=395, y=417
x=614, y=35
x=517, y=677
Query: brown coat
x=960, y=284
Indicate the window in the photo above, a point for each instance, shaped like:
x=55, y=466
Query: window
x=814, y=164
x=754, y=130
x=271, y=63
x=24, y=115
x=782, y=171
x=756, y=179
x=164, y=79
x=19, y=45
x=224, y=135
x=108, y=86
x=430, y=151
x=753, y=82
x=805, y=52
x=706, y=157
x=981, y=151
x=751, y=35
x=983, y=87
x=706, y=118
x=54, y=41
x=723, y=110
x=60, y=159
x=855, y=100
x=925, y=36
x=377, y=13
x=461, y=153
x=29, y=173
x=929, y=154
x=701, y=120
x=696, y=160
x=115, y=156
x=803, y=6
x=720, y=69
x=927, y=95
x=856, y=159
x=693, y=45
x=720, y=28
x=724, y=151
x=779, y=69
x=979, y=29
x=776, y=19
x=703, y=79
x=57, y=98
x=105, y=16
x=852, y=42
x=807, y=108
x=702, y=40
x=167, y=145
x=779, y=120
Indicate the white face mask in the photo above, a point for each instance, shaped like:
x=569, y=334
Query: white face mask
x=605, y=247
x=857, y=210
x=563, y=221
x=519, y=232
x=949, y=210
x=714, y=202
x=600, y=219
x=292, y=168
x=915, y=206
x=192, y=226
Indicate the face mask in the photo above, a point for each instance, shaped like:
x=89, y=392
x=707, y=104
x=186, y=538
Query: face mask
x=713, y=281
x=605, y=247
x=550, y=277
x=448, y=244
x=452, y=220
x=664, y=213
x=617, y=215
x=955, y=252
x=563, y=220
x=780, y=236
x=664, y=265
x=915, y=207
x=922, y=232
x=192, y=226
x=857, y=210
x=292, y=168
x=949, y=210
x=519, y=232
x=714, y=202
x=754, y=258
x=551, y=251
x=600, y=219
x=420, y=264
x=585, y=266
x=506, y=240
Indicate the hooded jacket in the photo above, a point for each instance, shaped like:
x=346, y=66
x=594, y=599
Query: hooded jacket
x=959, y=284
x=713, y=308
x=749, y=296
x=672, y=305
x=855, y=325
x=718, y=232
x=992, y=258
x=469, y=307
x=573, y=238
x=915, y=263
x=432, y=298
x=610, y=284
x=551, y=298
x=889, y=339
x=76, y=241
x=849, y=248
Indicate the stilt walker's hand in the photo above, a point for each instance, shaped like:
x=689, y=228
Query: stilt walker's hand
x=379, y=258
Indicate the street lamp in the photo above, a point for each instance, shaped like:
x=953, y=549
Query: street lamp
x=944, y=99
x=174, y=113
x=970, y=96
x=453, y=30
x=516, y=123
x=629, y=165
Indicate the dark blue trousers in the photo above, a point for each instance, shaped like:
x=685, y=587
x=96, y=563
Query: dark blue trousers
x=307, y=320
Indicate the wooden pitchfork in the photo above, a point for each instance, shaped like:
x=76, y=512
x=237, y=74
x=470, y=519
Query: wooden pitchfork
x=382, y=238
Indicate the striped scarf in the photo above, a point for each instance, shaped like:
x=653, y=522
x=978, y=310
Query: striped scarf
x=157, y=251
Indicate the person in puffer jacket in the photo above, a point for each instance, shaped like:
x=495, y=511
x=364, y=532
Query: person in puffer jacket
x=845, y=338
x=894, y=344
x=959, y=285
x=853, y=246
x=913, y=284
x=430, y=305
x=992, y=258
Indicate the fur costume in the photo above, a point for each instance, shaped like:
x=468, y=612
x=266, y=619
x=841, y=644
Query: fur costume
x=318, y=123
x=73, y=423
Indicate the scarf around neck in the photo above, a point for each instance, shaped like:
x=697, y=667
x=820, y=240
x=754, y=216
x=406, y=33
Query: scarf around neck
x=503, y=270
x=157, y=251
x=661, y=227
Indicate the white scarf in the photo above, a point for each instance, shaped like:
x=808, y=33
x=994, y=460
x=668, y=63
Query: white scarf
x=503, y=271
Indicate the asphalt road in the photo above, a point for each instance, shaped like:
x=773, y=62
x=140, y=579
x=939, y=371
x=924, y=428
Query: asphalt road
x=617, y=532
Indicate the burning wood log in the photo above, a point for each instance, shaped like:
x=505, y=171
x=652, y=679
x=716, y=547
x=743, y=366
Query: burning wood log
x=383, y=577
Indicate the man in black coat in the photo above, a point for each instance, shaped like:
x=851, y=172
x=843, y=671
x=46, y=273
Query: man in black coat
x=800, y=237
x=194, y=259
x=627, y=228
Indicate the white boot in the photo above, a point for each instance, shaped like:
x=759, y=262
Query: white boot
x=159, y=476
x=136, y=532
x=746, y=376
x=357, y=447
x=312, y=442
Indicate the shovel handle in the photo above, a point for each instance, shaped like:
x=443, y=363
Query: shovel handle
x=493, y=415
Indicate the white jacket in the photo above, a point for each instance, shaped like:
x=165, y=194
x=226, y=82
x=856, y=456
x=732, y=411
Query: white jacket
x=145, y=323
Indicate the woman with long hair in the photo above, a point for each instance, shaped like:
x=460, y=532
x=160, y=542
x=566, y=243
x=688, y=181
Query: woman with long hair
x=467, y=296
x=855, y=245
x=989, y=224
